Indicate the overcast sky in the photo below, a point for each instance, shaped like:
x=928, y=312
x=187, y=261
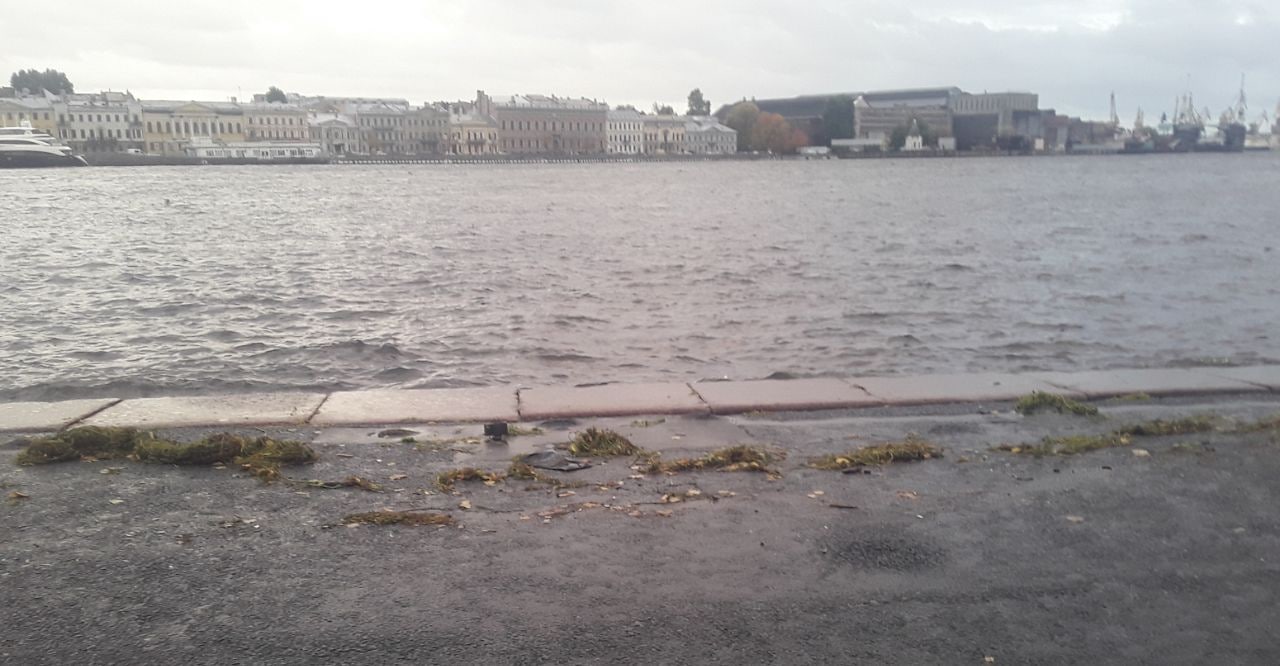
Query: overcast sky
x=1072, y=52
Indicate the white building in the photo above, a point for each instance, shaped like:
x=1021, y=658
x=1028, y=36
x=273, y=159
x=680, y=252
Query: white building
x=337, y=134
x=625, y=129
x=107, y=122
x=266, y=151
x=705, y=135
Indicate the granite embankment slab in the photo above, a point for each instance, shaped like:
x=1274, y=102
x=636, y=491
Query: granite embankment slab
x=1162, y=381
x=778, y=395
x=230, y=410
x=387, y=406
x=931, y=389
x=552, y=402
x=44, y=416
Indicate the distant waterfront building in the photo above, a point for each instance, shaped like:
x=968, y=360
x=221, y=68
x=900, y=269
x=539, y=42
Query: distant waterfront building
x=664, y=135
x=265, y=150
x=993, y=119
x=704, y=135
x=34, y=109
x=105, y=122
x=169, y=126
x=275, y=121
x=625, y=132
x=543, y=125
x=383, y=127
x=336, y=134
x=426, y=129
x=879, y=114
x=472, y=128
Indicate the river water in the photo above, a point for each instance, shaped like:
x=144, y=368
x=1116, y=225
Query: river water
x=137, y=281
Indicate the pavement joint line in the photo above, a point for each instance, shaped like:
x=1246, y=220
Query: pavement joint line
x=92, y=414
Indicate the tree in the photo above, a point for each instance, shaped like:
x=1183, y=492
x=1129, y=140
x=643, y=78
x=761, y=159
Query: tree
x=663, y=109
x=275, y=94
x=837, y=118
x=34, y=80
x=742, y=118
x=773, y=133
x=698, y=106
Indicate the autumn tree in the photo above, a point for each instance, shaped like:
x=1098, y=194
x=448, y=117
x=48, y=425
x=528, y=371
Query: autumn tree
x=698, y=105
x=34, y=80
x=773, y=133
x=742, y=118
x=275, y=94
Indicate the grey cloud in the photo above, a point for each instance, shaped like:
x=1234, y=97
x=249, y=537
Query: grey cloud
x=658, y=50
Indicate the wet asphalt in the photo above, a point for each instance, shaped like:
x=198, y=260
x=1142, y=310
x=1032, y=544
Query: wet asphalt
x=1108, y=557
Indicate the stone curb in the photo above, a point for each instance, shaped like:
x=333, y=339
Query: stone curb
x=386, y=406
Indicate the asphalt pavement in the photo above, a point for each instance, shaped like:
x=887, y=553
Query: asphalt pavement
x=1164, y=551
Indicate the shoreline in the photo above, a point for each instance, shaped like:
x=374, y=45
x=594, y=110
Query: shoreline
x=541, y=403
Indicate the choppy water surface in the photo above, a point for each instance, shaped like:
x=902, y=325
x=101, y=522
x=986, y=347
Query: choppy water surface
x=274, y=277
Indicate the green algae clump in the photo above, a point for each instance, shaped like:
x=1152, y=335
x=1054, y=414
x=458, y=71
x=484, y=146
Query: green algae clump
x=603, y=444
x=740, y=458
x=417, y=518
x=912, y=449
x=1040, y=401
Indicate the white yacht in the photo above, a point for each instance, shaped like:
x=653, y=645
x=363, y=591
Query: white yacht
x=26, y=147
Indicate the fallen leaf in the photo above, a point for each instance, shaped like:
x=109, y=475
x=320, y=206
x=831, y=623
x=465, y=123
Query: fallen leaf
x=15, y=495
x=635, y=514
x=1075, y=519
x=672, y=499
x=664, y=513
x=464, y=504
x=1141, y=453
x=110, y=470
x=727, y=493
x=116, y=501
x=567, y=493
x=344, y=455
x=693, y=492
x=908, y=494
x=398, y=477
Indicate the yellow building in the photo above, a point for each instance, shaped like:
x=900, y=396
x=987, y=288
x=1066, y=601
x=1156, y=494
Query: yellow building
x=275, y=122
x=169, y=126
x=38, y=111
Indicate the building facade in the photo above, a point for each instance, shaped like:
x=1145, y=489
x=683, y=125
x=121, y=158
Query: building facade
x=383, y=127
x=664, y=135
x=704, y=135
x=106, y=122
x=336, y=134
x=169, y=126
x=542, y=125
x=276, y=122
x=625, y=129
x=35, y=110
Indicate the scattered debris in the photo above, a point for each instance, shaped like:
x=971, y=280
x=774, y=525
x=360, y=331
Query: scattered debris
x=555, y=461
x=262, y=455
x=1075, y=519
x=740, y=458
x=912, y=449
x=908, y=495
x=1141, y=453
x=398, y=518
x=465, y=505
x=843, y=506
x=1076, y=444
x=396, y=432
x=1270, y=423
x=448, y=480
x=1040, y=401
x=644, y=423
x=1133, y=397
x=1162, y=428
x=111, y=470
x=15, y=496
x=602, y=443
x=398, y=477
x=349, y=482
x=516, y=431
x=115, y=501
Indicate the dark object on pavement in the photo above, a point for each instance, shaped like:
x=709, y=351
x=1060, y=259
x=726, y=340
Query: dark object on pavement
x=397, y=432
x=496, y=430
x=554, y=460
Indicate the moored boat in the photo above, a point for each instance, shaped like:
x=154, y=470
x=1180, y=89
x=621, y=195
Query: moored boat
x=26, y=147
